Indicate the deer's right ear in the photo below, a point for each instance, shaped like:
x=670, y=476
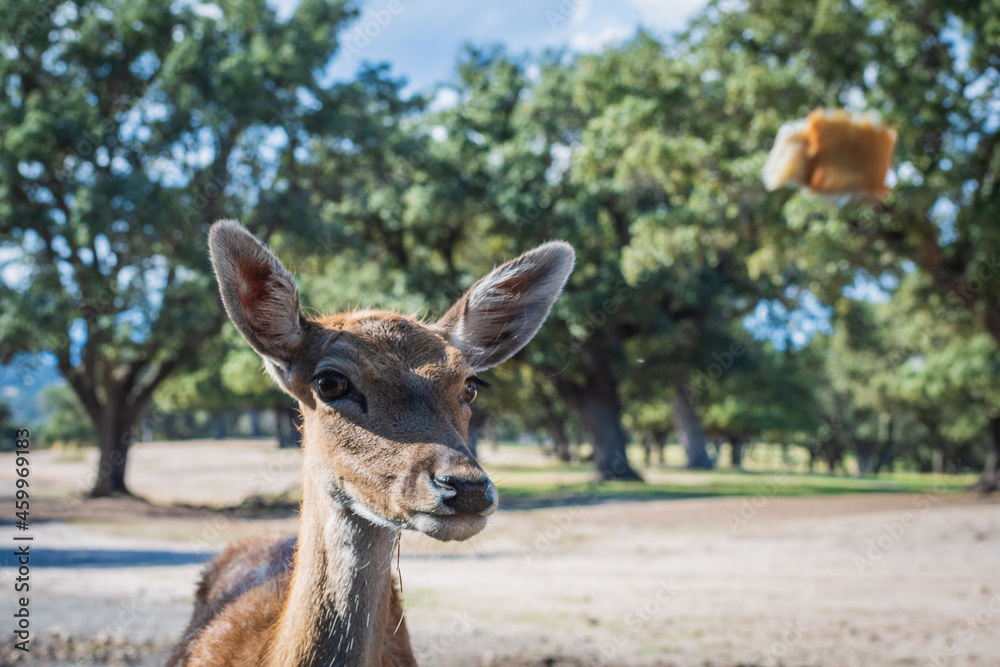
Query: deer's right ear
x=503, y=311
x=259, y=294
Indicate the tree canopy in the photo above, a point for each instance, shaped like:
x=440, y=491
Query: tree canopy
x=130, y=127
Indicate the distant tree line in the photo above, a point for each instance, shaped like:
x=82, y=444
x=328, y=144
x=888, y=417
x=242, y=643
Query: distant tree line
x=645, y=156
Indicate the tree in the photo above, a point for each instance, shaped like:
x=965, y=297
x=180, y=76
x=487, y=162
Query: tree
x=7, y=428
x=930, y=69
x=650, y=421
x=907, y=380
x=608, y=152
x=438, y=209
x=128, y=127
x=204, y=388
x=681, y=163
x=697, y=126
x=766, y=398
x=864, y=356
x=947, y=373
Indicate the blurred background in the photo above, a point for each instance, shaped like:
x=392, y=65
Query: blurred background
x=762, y=398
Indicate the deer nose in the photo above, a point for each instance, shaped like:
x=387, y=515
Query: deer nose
x=465, y=495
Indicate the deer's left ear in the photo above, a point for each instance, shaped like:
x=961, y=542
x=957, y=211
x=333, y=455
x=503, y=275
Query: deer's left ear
x=504, y=310
x=259, y=294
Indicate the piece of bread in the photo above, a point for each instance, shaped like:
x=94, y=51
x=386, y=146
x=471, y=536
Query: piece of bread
x=832, y=153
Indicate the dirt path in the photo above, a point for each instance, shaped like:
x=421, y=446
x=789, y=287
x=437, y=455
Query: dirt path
x=851, y=580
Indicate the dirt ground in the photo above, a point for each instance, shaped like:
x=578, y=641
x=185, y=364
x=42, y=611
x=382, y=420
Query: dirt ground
x=876, y=579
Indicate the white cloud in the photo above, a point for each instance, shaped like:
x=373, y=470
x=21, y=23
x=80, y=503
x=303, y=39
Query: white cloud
x=589, y=42
x=424, y=46
x=580, y=11
x=667, y=16
x=445, y=98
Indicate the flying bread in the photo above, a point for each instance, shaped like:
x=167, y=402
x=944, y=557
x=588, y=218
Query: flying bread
x=832, y=153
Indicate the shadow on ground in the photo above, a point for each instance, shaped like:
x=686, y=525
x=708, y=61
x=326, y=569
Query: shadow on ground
x=107, y=558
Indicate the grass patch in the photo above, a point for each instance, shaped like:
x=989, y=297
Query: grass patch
x=525, y=481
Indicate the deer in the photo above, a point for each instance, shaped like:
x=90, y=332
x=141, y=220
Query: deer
x=385, y=401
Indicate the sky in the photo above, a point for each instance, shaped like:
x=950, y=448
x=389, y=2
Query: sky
x=422, y=38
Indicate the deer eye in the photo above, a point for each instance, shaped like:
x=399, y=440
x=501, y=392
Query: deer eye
x=470, y=391
x=332, y=386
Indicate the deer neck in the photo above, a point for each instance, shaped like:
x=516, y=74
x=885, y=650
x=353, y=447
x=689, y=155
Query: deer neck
x=338, y=603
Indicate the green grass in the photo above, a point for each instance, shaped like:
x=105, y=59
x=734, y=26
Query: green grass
x=531, y=481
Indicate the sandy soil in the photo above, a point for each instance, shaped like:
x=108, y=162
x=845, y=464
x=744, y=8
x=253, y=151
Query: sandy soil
x=893, y=579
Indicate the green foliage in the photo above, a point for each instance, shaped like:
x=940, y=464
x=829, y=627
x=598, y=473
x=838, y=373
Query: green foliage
x=64, y=421
x=769, y=400
x=647, y=158
x=128, y=127
x=930, y=70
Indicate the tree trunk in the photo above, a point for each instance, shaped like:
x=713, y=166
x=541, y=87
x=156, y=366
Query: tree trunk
x=476, y=424
x=863, y=448
x=990, y=480
x=170, y=426
x=114, y=439
x=556, y=427
x=220, y=426
x=831, y=462
x=992, y=320
x=602, y=416
x=937, y=461
x=833, y=454
x=937, y=448
x=599, y=406
x=886, y=453
x=689, y=430
x=736, y=445
x=560, y=442
x=255, y=429
x=191, y=424
x=125, y=398
x=660, y=440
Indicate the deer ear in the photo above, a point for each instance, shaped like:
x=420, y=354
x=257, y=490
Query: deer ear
x=259, y=294
x=503, y=311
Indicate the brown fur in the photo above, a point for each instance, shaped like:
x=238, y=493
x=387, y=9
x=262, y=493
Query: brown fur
x=390, y=455
x=245, y=588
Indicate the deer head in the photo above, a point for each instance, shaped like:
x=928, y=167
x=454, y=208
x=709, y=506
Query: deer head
x=385, y=397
